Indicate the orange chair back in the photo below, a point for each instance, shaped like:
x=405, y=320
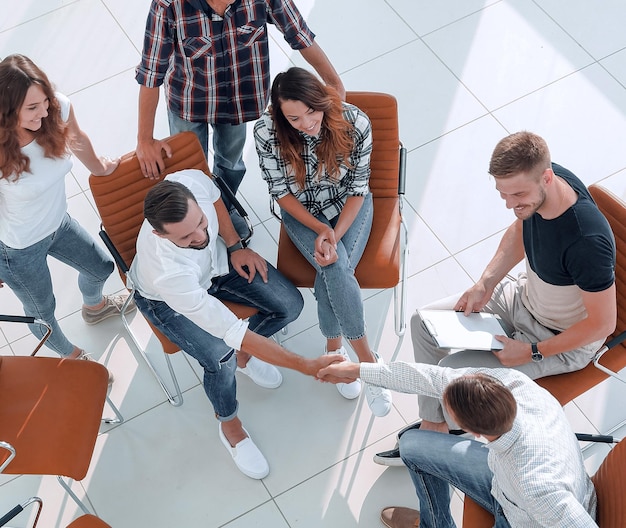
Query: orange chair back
x=380, y=264
x=611, y=489
x=119, y=198
x=50, y=412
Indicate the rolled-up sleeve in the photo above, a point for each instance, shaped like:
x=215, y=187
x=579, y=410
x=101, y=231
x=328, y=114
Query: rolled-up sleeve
x=157, y=48
x=285, y=15
x=184, y=295
x=357, y=178
x=273, y=168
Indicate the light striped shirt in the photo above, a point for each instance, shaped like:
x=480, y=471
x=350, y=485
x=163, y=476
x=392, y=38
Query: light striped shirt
x=539, y=477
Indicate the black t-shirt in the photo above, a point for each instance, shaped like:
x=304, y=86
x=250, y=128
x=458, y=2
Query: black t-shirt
x=576, y=248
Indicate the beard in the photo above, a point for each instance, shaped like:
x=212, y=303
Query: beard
x=531, y=208
x=201, y=245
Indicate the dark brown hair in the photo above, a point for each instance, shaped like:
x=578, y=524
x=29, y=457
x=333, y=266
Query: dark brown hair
x=520, y=152
x=167, y=203
x=17, y=74
x=481, y=404
x=336, y=134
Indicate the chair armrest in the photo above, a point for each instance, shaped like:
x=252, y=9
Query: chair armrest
x=20, y=508
x=11, y=450
x=608, y=346
x=113, y=250
x=29, y=320
x=402, y=171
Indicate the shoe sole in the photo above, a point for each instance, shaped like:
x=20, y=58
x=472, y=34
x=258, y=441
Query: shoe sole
x=392, y=458
x=387, y=461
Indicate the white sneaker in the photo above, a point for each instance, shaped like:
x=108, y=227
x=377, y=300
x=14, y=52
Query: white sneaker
x=378, y=399
x=349, y=391
x=247, y=457
x=262, y=373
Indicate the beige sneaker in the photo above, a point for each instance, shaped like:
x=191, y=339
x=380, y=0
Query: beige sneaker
x=112, y=307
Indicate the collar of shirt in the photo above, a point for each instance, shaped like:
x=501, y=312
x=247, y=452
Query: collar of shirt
x=203, y=5
x=507, y=440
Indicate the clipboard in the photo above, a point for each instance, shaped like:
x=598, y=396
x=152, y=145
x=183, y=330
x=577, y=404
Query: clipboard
x=450, y=329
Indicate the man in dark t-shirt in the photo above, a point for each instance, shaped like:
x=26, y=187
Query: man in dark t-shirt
x=560, y=311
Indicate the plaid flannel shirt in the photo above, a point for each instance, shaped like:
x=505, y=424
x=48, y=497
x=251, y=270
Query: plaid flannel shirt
x=320, y=195
x=215, y=69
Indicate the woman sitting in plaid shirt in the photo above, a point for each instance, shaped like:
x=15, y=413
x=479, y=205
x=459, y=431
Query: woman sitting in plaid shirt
x=314, y=152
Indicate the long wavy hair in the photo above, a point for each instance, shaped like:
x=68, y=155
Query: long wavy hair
x=17, y=74
x=336, y=134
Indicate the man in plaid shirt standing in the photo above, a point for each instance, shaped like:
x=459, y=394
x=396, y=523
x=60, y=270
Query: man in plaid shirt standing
x=213, y=58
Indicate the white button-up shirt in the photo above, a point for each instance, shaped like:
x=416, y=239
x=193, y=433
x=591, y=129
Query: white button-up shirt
x=180, y=277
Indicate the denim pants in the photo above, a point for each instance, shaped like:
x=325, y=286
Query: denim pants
x=437, y=461
x=338, y=294
x=278, y=302
x=228, y=143
x=26, y=272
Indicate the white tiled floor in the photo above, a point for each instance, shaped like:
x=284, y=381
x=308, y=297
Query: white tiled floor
x=466, y=73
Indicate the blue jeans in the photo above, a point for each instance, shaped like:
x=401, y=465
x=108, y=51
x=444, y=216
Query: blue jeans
x=278, y=302
x=228, y=143
x=338, y=294
x=437, y=461
x=26, y=272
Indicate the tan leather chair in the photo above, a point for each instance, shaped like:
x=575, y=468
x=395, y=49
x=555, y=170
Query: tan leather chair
x=50, y=414
x=119, y=198
x=383, y=264
x=610, y=488
x=609, y=360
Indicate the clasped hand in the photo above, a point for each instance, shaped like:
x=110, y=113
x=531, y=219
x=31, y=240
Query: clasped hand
x=326, y=247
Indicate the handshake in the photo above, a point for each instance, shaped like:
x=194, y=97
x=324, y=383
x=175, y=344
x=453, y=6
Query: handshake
x=335, y=369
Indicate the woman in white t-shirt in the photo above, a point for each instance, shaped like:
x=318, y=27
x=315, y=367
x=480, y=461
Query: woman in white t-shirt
x=37, y=132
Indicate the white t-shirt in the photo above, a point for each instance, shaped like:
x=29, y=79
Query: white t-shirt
x=33, y=206
x=180, y=277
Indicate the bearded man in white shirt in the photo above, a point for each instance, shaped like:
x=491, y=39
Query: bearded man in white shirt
x=189, y=259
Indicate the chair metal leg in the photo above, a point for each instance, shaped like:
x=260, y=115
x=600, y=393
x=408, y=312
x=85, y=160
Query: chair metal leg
x=175, y=399
x=399, y=291
x=11, y=450
x=118, y=415
x=75, y=498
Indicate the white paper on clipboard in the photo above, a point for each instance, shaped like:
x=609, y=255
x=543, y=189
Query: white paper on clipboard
x=452, y=329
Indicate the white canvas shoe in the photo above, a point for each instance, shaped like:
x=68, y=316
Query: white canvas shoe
x=262, y=373
x=247, y=456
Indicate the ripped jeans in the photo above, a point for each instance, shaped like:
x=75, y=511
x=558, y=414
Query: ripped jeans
x=279, y=303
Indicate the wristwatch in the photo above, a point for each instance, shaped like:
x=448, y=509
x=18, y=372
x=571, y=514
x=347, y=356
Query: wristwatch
x=536, y=356
x=239, y=245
